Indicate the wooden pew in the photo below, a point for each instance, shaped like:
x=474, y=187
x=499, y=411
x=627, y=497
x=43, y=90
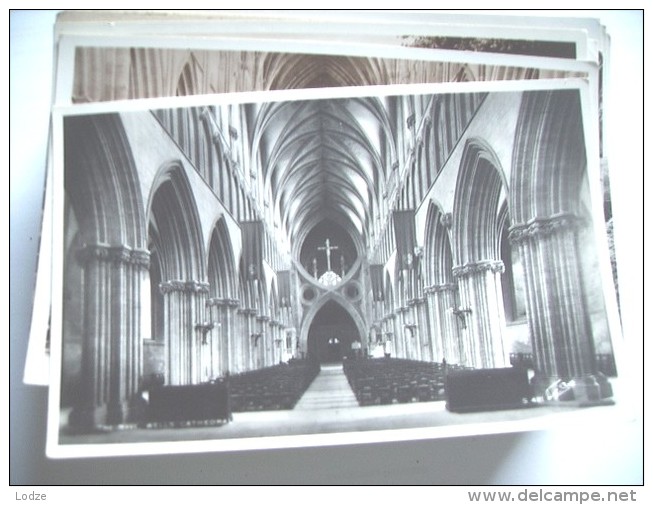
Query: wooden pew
x=395, y=380
x=277, y=387
x=191, y=405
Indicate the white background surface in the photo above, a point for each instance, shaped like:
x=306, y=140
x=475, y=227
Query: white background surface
x=597, y=455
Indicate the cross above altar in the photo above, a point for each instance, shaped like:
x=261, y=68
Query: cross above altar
x=328, y=248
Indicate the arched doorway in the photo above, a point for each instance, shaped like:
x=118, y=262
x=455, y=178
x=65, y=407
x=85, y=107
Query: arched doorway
x=331, y=334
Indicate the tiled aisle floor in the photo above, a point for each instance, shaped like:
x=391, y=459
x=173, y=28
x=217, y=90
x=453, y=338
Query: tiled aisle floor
x=329, y=390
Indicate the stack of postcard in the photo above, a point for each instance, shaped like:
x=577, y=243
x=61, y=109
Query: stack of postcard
x=333, y=87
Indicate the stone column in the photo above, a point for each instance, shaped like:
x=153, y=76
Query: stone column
x=412, y=330
x=112, y=349
x=272, y=331
x=558, y=316
x=185, y=309
x=253, y=347
x=447, y=339
x=390, y=332
x=242, y=338
x=423, y=330
x=433, y=338
x=219, y=348
x=231, y=336
x=246, y=341
x=262, y=351
x=483, y=327
x=279, y=342
x=274, y=354
x=377, y=326
x=399, y=332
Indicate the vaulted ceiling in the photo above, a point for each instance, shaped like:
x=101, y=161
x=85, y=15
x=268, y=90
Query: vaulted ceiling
x=325, y=159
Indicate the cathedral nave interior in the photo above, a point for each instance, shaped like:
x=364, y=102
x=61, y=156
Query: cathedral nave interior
x=214, y=241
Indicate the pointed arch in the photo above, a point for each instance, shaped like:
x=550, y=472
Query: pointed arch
x=331, y=296
x=512, y=280
x=437, y=248
x=549, y=157
x=244, y=289
x=175, y=225
x=221, y=265
x=262, y=306
x=389, y=293
x=399, y=284
x=273, y=298
x=479, y=190
x=176, y=241
x=101, y=181
x=189, y=83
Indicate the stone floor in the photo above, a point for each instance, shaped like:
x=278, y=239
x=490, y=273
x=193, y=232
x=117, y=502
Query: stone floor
x=323, y=412
x=329, y=390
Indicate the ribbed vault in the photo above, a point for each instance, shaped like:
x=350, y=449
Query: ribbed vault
x=324, y=159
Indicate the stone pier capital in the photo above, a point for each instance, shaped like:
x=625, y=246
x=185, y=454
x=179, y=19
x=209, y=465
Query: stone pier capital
x=544, y=226
x=494, y=266
x=120, y=254
x=184, y=286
